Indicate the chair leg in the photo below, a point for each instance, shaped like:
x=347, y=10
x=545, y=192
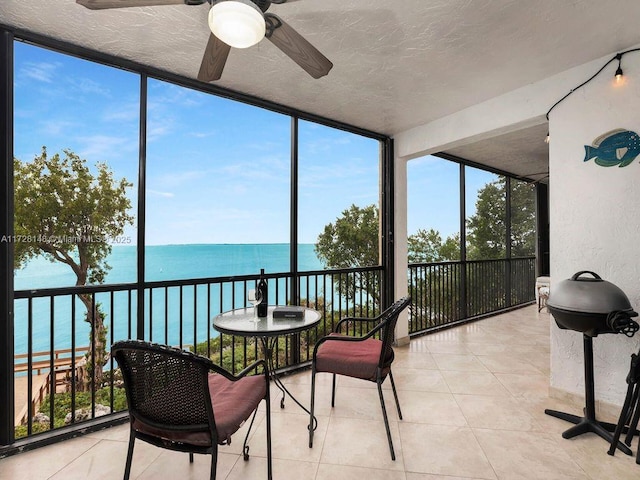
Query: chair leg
x=386, y=420
x=633, y=424
x=624, y=415
x=395, y=394
x=214, y=461
x=127, y=468
x=312, y=405
x=190, y=457
x=268, y=411
x=333, y=391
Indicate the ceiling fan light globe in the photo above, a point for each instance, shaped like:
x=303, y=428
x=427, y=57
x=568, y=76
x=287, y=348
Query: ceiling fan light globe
x=238, y=23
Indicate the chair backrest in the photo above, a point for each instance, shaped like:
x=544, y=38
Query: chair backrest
x=166, y=387
x=389, y=318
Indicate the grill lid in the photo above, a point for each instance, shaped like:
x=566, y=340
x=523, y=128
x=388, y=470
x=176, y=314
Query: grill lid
x=589, y=295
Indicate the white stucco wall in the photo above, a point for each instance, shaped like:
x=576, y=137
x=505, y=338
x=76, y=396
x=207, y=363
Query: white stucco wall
x=400, y=260
x=595, y=221
x=595, y=214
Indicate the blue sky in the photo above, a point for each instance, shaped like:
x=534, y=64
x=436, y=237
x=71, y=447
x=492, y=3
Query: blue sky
x=218, y=171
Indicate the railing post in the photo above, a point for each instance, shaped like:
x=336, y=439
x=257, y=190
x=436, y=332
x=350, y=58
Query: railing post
x=6, y=246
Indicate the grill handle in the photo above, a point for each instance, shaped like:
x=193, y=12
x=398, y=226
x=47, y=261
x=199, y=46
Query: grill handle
x=595, y=278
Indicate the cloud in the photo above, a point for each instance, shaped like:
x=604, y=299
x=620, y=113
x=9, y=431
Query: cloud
x=41, y=72
x=98, y=147
x=87, y=85
x=161, y=194
x=129, y=112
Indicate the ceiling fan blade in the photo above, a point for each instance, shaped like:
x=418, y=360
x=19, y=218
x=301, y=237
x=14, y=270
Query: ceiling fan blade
x=215, y=56
x=296, y=47
x=105, y=4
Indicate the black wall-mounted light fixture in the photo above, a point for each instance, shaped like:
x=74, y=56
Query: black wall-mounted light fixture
x=619, y=79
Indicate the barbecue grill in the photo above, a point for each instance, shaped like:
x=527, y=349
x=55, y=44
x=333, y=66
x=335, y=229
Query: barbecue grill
x=592, y=306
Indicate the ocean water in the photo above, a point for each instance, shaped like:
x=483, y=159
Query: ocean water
x=163, y=262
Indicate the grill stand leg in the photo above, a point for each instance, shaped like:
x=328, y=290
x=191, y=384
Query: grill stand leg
x=588, y=422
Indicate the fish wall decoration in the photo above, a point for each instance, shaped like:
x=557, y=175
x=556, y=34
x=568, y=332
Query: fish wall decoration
x=618, y=147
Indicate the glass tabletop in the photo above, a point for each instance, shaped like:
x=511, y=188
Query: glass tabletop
x=243, y=322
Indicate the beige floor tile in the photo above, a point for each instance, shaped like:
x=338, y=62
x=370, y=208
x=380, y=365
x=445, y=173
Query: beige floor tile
x=363, y=403
x=176, y=465
x=357, y=442
x=420, y=380
x=488, y=348
x=525, y=385
x=290, y=438
x=415, y=360
x=590, y=452
x=461, y=363
x=345, y=472
x=256, y=469
x=474, y=383
x=44, y=462
x=302, y=393
x=508, y=363
x=536, y=406
x=430, y=407
x=443, y=450
x=426, y=476
x=531, y=455
x=495, y=412
x=447, y=346
x=107, y=459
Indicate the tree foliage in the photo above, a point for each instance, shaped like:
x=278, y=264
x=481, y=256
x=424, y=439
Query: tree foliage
x=352, y=240
x=486, y=229
x=427, y=246
x=69, y=215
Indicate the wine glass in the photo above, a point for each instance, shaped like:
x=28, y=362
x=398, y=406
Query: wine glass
x=255, y=299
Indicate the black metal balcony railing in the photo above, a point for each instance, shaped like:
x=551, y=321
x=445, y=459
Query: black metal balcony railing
x=53, y=368
x=448, y=292
x=177, y=313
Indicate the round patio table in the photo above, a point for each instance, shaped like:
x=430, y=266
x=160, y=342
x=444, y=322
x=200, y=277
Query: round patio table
x=243, y=322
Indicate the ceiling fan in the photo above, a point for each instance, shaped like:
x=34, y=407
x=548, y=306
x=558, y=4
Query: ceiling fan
x=239, y=24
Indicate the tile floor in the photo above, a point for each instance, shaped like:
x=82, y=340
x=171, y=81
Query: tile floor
x=472, y=398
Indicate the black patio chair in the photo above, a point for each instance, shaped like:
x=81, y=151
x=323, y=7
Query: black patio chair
x=363, y=357
x=181, y=401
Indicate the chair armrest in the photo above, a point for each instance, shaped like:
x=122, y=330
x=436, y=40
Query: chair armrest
x=254, y=366
x=355, y=319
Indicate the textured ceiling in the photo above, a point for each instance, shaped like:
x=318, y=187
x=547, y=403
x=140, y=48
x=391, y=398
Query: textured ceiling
x=397, y=64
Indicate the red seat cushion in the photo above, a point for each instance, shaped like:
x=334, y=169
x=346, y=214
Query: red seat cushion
x=353, y=359
x=233, y=403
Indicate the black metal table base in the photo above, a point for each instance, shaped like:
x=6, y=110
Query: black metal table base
x=588, y=425
x=588, y=422
x=268, y=345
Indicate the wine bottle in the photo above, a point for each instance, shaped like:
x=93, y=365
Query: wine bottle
x=263, y=288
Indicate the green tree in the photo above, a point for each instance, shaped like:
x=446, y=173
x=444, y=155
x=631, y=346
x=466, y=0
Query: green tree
x=486, y=229
x=352, y=241
x=426, y=246
x=69, y=215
